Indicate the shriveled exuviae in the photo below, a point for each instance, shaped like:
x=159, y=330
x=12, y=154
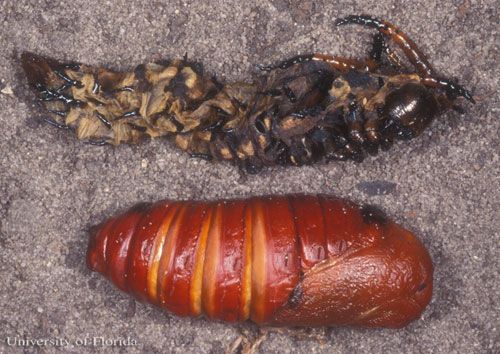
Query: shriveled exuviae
x=309, y=108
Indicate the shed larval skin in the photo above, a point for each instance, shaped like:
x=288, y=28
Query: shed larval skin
x=307, y=109
x=295, y=260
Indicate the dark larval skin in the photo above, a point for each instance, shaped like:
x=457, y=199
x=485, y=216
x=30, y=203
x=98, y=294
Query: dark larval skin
x=310, y=108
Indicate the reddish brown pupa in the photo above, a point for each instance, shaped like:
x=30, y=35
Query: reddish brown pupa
x=283, y=261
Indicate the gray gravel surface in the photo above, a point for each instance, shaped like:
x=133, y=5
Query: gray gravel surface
x=443, y=185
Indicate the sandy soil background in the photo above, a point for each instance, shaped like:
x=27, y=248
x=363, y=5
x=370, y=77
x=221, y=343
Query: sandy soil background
x=443, y=185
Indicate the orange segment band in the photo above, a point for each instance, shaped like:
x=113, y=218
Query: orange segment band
x=165, y=264
x=196, y=284
x=246, y=281
x=259, y=259
x=157, y=252
x=210, y=271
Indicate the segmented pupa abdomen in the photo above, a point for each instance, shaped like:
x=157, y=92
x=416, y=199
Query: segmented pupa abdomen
x=288, y=260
